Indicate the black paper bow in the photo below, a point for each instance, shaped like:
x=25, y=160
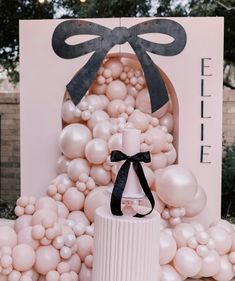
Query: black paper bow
x=101, y=45
x=122, y=176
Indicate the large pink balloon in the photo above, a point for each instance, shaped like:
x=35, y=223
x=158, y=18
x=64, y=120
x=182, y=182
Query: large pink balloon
x=115, y=142
x=97, y=117
x=8, y=237
x=73, y=199
x=85, y=273
x=75, y=263
x=63, y=179
x=76, y=167
x=167, y=247
x=25, y=237
x=176, y=185
x=114, y=107
x=143, y=101
x=47, y=258
x=62, y=210
x=97, y=151
x=22, y=222
x=78, y=217
x=157, y=138
x=102, y=130
x=116, y=90
x=158, y=161
x=187, y=262
x=115, y=65
x=139, y=120
x=96, y=198
x=46, y=202
x=222, y=239
x=42, y=214
x=225, y=272
x=225, y=225
x=100, y=175
x=168, y=273
x=85, y=246
x=182, y=233
x=68, y=112
x=73, y=140
x=210, y=264
x=197, y=204
x=23, y=257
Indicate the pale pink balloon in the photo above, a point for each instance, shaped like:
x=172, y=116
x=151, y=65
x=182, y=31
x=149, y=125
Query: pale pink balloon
x=222, y=239
x=225, y=272
x=187, y=262
x=62, y=164
x=197, y=204
x=73, y=199
x=225, y=225
x=97, y=151
x=171, y=156
x=38, y=231
x=149, y=175
x=198, y=227
x=76, y=167
x=85, y=273
x=162, y=111
x=25, y=237
x=143, y=101
x=102, y=130
x=23, y=201
x=23, y=257
x=100, y=175
x=22, y=222
x=167, y=121
x=104, y=101
x=85, y=245
x=157, y=138
x=95, y=101
x=46, y=202
x=114, y=107
x=131, y=91
x=130, y=101
x=62, y=210
x=210, y=264
x=116, y=90
x=115, y=65
x=52, y=275
x=89, y=261
x=97, y=89
x=96, y=198
x=79, y=217
x=139, y=120
x=97, y=117
x=14, y=276
x=168, y=273
x=75, y=263
x=8, y=236
x=62, y=179
x=47, y=258
x=176, y=185
x=233, y=242
x=73, y=139
x=115, y=142
x=42, y=214
x=67, y=112
x=182, y=233
x=167, y=248
x=158, y=161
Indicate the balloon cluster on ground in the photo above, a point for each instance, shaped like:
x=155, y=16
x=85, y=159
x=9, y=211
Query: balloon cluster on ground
x=52, y=238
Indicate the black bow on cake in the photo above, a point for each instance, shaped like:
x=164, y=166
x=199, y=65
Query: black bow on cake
x=108, y=38
x=120, y=183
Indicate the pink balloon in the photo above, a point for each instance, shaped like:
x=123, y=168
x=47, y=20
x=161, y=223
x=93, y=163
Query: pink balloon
x=97, y=151
x=14, y=276
x=62, y=210
x=85, y=245
x=75, y=263
x=158, y=161
x=79, y=217
x=139, y=120
x=23, y=257
x=25, y=237
x=22, y=222
x=8, y=237
x=85, y=273
x=102, y=130
x=115, y=142
x=42, y=214
x=46, y=202
x=100, y=175
x=63, y=179
x=167, y=121
x=97, y=89
x=32, y=274
x=210, y=264
x=167, y=248
x=171, y=156
x=96, y=198
x=233, y=242
x=187, y=262
x=73, y=199
x=225, y=272
x=67, y=112
x=176, y=185
x=143, y=101
x=76, y=167
x=116, y=90
x=115, y=65
x=73, y=140
x=182, y=233
x=168, y=273
x=157, y=138
x=149, y=175
x=197, y=204
x=222, y=239
x=62, y=164
x=225, y=225
x=97, y=117
x=97, y=102
x=47, y=258
x=53, y=276
x=130, y=101
x=114, y=107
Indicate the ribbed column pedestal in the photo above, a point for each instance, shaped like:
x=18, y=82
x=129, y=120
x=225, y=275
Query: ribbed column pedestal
x=126, y=248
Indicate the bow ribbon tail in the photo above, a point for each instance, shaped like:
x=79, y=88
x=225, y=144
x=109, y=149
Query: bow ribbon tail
x=118, y=189
x=140, y=173
x=84, y=77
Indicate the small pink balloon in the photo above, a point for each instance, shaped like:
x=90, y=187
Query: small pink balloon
x=46, y=202
x=97, y=117
x=73, y=139
x=65, y=252
x=97, y=151
x=168, y=273
x=115, y=65
x=115, y=142
x=8, y=236
x=130, y=101
x=77, y=167
x=171, y=156
x=41, y=214
x=53, y=275
x=116, y=90
x=62, y=179
x=23, y=201
x=38, y=232
x=167, y=121
x=47, y=259
x=85, y=273
x=157, y=138
x=73, y=199
x=23, y=257
x=89, y=261
x=187, y=262
x=182, y=233
x=67, y=112
x=19, y=211
x=158, y=161
x=225, y=272
x=22, y=222
x=25, y=237
x=79, y=217
x=222, y=239
x=139, y=120
x=97, y=89
x=167, y=248
x=102, y=130
x=14, y=275
x=114, y=107
x=96, y=198
x=85, y=245
x=100, y=175
x=62, y=164
x=74, y=263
